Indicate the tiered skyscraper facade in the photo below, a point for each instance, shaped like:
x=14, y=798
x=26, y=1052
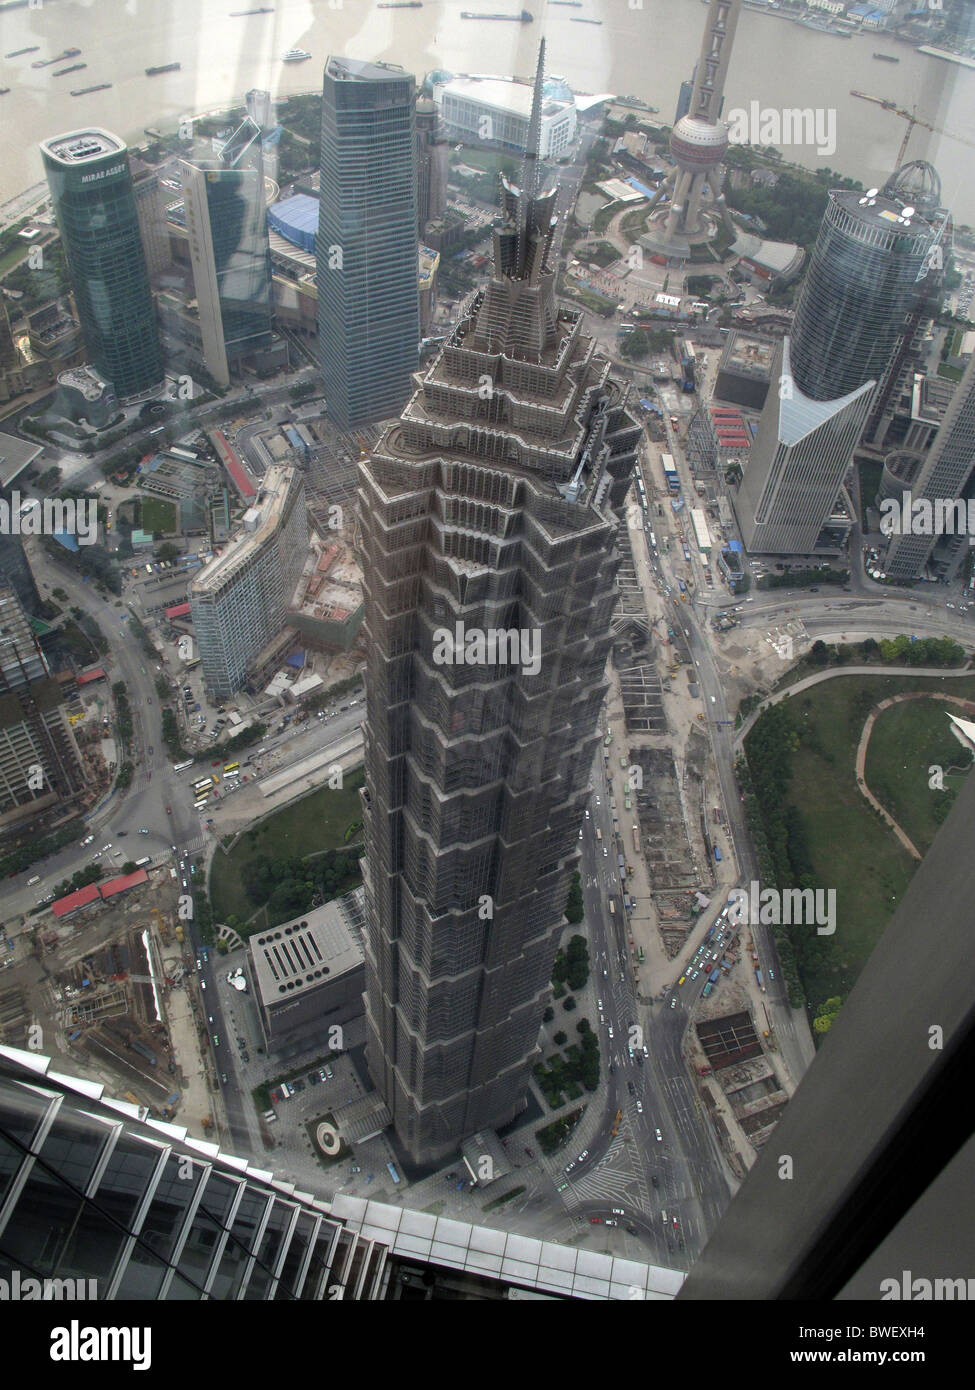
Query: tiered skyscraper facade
x=487, y=507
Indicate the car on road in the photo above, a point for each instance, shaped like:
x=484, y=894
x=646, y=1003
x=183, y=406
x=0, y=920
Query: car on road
x=659, y=1136
x=223, y=1077
x=569, y=1166
x=681, y=980
x=771, y=974
x=673, y=1002
x=562, y=1186
x=216, y=1040
x=632, y=1088
x=618, y=1211
x=595, y=1220
x=646, y=1050
x=639, y=1107
x=605, y=852
x=143, y=830
x=599, y=1003
x=529, y=1152
x=583, y=1156
x=610, y=1030
x=169, y=810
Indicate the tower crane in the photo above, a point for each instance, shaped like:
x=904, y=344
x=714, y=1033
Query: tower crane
x=912, y=120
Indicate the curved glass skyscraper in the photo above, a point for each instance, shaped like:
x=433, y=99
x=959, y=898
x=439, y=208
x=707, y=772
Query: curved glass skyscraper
x=863, y=273
x=91, y=188
x=870, y=255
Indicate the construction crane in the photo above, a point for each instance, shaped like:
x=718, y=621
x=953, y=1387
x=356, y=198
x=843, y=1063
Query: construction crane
x=912, y=120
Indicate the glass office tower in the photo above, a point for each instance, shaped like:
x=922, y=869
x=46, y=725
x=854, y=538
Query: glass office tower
x=94, y=202
x=226, y=218
x=871, y=252
x=366, y=249
x=946, y=476
x=862, y=277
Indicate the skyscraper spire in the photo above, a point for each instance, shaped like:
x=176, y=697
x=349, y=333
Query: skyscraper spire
x=529, y=173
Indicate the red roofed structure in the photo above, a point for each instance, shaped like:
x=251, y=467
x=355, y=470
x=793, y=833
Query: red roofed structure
x=179, y=610
x=239, y=475
x=64, y=907
x=121, y=885
x=88, y=676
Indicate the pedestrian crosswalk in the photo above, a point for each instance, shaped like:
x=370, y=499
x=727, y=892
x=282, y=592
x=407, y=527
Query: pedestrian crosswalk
x=617, y=1177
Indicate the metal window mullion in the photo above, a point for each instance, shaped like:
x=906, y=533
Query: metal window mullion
x=139, y=1218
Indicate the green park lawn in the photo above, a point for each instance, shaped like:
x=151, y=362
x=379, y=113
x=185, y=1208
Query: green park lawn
x=317, y=822
x=156, y=514
x=850, y=848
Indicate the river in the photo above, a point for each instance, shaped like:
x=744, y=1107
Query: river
x=645, y=47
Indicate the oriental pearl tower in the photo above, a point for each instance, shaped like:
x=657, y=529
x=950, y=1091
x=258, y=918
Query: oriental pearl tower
x=698, y=144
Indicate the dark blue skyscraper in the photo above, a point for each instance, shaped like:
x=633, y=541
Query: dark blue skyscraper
x=91, y=187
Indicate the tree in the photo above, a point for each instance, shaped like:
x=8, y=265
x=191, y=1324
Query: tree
x=129, y=867
x=818, y=654
x=560, y=1039
x=569, y=1004
x=548, y=1015
x=168, y=551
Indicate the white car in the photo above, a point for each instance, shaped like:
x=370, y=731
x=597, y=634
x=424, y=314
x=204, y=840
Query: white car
x=605, y=852
x=611, y=1030
x=639, y=1107
x=660, y=1137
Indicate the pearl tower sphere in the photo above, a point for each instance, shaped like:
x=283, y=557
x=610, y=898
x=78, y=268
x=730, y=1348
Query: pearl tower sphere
x=699, y=140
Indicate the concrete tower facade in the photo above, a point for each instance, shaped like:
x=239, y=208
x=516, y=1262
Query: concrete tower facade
x=488, y=507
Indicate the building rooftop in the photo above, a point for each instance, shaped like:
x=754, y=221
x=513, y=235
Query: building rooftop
x=300, y=954
x=260, y=521
x=748, y=354
x=357, y=70
x=503, y=93
x=82, y=146
x=15, y=456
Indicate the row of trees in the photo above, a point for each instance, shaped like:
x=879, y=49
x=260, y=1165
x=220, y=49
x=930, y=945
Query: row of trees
x=572, y=965
x=16, y=860
x=289, y=886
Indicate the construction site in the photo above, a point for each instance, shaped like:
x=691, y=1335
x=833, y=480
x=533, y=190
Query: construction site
x=111, y=990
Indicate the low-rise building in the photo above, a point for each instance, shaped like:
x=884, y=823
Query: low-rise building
x=309, y=974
